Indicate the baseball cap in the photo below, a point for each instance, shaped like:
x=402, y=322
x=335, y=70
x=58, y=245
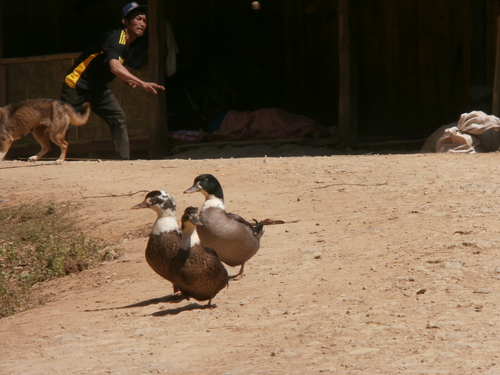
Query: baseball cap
x=133, y=6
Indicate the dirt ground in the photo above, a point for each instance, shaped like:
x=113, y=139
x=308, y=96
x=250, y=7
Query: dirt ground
x=386, y=264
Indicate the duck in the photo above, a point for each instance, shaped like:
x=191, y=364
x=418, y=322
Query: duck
x=233, y=238
x=165, y=238
x=197, y=270
x=177, y=255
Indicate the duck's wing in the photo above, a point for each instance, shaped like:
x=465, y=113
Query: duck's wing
x=239, y=219
x=257, y=229
x=211, y=251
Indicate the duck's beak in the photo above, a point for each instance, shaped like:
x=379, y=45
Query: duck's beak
x=140, y=205
x=193, y=189
x=196, y=221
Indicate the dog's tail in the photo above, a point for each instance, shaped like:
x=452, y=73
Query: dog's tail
x=77, y=118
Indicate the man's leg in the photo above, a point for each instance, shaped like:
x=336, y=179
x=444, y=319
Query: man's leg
x=105, y=105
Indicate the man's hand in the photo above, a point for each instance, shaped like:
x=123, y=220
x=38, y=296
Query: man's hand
x=152, y=87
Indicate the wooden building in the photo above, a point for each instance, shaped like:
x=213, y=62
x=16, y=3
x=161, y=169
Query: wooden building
x=377, y=69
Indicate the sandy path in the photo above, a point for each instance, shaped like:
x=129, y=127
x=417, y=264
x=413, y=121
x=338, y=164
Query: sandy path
x=387, y=264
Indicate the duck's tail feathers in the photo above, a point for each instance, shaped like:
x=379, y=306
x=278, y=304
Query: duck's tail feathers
x=258, y=228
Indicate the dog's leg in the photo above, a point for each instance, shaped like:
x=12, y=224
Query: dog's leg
x=59, y=140
x=2, y=154
x=5, y=143
x=39, y=133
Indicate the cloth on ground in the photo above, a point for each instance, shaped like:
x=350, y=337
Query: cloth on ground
x=267, y=123
x=475, y=132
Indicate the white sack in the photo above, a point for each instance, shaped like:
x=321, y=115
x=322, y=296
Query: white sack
x=475, y=132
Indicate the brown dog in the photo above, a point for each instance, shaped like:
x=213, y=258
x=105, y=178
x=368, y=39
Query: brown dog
x=40, y=116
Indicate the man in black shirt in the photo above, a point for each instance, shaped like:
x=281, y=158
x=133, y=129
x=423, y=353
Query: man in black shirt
x=99, y=64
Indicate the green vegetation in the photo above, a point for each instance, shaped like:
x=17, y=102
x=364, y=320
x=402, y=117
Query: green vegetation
x=40, y=242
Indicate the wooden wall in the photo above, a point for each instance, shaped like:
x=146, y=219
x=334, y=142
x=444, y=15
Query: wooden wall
x=55, y=26
x=67, y=27
x=42, y=77
x=283, y=55
x=417, y=59
x=416, y=66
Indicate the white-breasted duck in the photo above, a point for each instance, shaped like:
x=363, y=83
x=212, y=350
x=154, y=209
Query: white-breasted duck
x=165, y=237
x=197, y=270
x=233, y=238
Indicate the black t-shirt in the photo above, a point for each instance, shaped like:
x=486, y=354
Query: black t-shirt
x=91, y=70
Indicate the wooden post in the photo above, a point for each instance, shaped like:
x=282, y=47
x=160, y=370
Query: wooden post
x=348, y=117
x=465, y=83
x=3, y=85
x=294, y=42
x=157, y=55
x=496, y=84
x=3, y=70
x=2, y=34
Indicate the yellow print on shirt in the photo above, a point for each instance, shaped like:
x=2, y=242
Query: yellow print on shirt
x=72, y=79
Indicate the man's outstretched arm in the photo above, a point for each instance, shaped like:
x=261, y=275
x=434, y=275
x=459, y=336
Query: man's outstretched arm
x=121, y=72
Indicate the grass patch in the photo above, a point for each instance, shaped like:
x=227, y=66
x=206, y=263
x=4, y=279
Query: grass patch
x=40, y=242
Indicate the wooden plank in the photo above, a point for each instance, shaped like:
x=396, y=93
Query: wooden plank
x=348, y=126
x=253, y=142
x=408, y=67
x=443, y=51
x=75, y=147
x=332, y=66
x=59, y=56
x=490, y=23
x=294, y=42
x=465, y=75
x=157, y=39
x=391, y=89
x=1, y=32
x=496, y=84
x=427, y=93
x=320, y=68
x=3, y=86
x=479, y=44
x=370, y=46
